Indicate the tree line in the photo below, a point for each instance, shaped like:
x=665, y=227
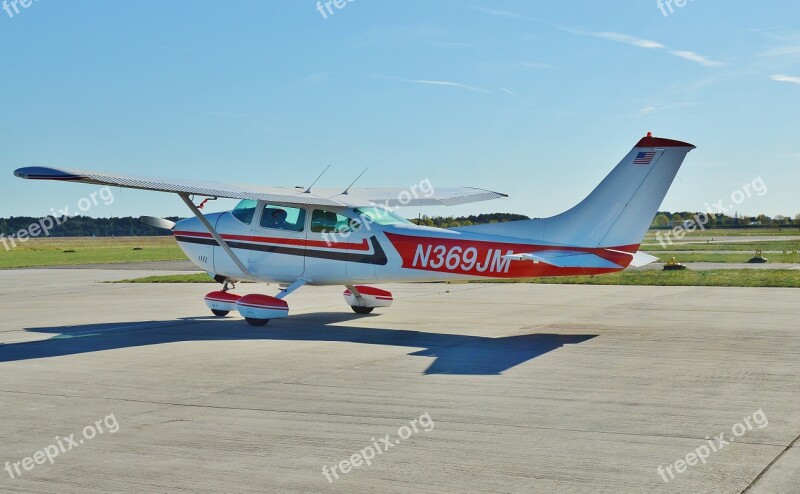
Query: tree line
x=480, y=219
x=84, y=226
x=665, y=219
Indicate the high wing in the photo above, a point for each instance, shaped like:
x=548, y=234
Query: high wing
x=319, y=197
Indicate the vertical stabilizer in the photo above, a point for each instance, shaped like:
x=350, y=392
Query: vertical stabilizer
x=619, y=211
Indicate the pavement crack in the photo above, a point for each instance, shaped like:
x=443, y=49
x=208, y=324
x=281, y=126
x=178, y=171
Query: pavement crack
x=774, y=461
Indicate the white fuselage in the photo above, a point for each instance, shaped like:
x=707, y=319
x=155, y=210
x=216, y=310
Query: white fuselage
x=361, y=251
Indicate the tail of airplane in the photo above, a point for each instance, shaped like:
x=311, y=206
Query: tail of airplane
x=619, y=211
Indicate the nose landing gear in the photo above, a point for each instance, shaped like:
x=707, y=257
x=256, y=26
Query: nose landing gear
x=222, y=302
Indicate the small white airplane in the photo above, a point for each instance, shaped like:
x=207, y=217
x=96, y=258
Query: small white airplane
x=297, y=237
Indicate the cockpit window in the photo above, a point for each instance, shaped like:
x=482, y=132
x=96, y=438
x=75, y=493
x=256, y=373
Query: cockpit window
x=244, y=211
x=329, y=222
x=283, y=218
x=382, y=216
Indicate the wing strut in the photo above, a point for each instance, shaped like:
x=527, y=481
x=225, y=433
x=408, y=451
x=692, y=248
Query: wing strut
x=286, y=290
x=216, y=235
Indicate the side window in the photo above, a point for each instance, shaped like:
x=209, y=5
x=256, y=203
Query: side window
x=283, y=218
x=329, y=222
x=244, y=211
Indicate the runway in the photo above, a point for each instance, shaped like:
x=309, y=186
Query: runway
x=529, y=388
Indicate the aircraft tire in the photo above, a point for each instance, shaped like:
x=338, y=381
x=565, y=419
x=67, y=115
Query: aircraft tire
x=362, y=310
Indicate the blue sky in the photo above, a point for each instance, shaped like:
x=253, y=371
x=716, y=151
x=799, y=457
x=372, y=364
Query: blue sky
x=536, y=99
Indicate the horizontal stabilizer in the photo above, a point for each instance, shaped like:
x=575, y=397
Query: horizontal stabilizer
x=566, y=259
x=639, y=259
x=642, y=259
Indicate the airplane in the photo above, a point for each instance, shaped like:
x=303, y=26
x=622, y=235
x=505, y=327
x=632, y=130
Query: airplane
x=305, y=236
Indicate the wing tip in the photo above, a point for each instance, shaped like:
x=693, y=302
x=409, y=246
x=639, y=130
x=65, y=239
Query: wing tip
x=487, y=191
x=45, y=173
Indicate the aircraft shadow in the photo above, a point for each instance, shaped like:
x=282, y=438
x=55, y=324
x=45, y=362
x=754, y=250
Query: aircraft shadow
x=453, y=353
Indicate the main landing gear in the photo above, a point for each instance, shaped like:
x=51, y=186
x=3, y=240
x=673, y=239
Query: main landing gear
x=258, y=309
x=364, y=299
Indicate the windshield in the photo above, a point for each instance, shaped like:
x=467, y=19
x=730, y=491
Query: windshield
x=382, y=216
x=244, y=211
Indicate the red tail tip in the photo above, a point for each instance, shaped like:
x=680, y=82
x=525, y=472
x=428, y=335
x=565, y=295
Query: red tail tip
x=658, y=142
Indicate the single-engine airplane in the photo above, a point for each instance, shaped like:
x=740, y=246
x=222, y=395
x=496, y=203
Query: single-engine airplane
x=296, y=237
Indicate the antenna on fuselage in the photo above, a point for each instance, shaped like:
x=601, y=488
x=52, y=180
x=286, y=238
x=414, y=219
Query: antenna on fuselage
x=308, y=190
x=354, y=181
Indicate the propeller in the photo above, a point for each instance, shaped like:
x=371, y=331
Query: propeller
x=157, y=222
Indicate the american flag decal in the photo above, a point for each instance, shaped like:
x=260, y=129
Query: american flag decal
x=644, y=158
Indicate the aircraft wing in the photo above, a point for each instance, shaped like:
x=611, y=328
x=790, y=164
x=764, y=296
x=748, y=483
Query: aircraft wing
x=320, y=197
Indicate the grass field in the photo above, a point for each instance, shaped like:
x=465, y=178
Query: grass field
x=39, y=252
x=731, y=232
x=177, y=278
x=734, y=257
x=728, y=277
x=793, y=245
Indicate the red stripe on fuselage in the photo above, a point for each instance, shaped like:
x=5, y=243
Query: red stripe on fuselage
x=363, y=245
x=483, y=258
